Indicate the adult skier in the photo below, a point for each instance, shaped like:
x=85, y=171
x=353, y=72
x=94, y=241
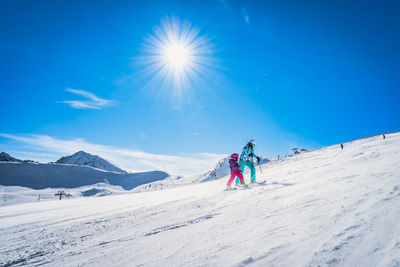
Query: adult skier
x=247, y=159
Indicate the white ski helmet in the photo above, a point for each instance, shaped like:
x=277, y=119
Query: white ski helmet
x=253, y=142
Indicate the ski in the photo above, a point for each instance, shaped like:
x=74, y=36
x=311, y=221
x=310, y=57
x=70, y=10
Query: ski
x=230, y=189
x=258, y=183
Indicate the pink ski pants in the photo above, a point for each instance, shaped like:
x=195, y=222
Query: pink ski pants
x=233, y=175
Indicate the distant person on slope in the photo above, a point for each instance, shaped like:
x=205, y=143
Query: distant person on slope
x=247, y=158
x=235, y=171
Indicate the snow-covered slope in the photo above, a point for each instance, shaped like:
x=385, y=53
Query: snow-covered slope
x=222, y=169
x=12, y=195
x=40, y=176
x=83, y=158
x=328, y=207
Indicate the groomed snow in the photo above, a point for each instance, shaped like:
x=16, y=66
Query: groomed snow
x=12, y=195
x=329, y=207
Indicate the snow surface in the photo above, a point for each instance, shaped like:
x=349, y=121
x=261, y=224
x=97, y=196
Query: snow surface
x=223, y=169
x=12, y=195
x=328, y=207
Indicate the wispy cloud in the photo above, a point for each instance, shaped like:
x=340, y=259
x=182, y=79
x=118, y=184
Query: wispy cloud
x=92, y=102
x=192, y=134
x=128, y=159
x=245, y=15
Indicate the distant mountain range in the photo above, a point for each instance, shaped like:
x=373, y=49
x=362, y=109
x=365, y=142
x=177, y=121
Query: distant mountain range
x=79, y=158
x=77, y=170
x=6, y=157
x=82, y=168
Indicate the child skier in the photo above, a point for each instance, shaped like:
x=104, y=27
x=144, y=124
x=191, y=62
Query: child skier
x=246, y=159
x=235, y=171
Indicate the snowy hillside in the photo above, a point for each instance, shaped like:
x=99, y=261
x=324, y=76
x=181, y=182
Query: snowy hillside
x=45, y=175
x=328, y=207
x=222, y=169
x=12, y=195
x=83, y=158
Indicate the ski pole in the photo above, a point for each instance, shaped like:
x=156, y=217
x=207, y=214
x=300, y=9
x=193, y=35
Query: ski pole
x=258, y=162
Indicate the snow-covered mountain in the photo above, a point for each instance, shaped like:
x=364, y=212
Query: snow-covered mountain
x=327, y=207
x=45, y=175
x=77, y=170
x=6, y=157
x=87, y=159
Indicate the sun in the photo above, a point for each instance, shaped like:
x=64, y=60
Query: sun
x=177, y=56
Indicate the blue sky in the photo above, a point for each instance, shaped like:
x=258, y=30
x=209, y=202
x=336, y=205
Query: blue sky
x=78, y=75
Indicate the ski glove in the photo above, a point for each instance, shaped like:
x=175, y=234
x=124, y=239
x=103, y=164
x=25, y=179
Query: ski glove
x=258, y=159
x=251, y=154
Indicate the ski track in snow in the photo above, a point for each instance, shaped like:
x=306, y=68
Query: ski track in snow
x=328, y=207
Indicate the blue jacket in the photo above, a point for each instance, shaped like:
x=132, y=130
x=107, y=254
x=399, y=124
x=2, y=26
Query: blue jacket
x=247, y=150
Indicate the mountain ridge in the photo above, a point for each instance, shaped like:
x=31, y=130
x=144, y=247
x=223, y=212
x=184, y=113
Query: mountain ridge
x=87, y=159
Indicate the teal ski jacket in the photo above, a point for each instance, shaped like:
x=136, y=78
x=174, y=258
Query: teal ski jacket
x=247, y=153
